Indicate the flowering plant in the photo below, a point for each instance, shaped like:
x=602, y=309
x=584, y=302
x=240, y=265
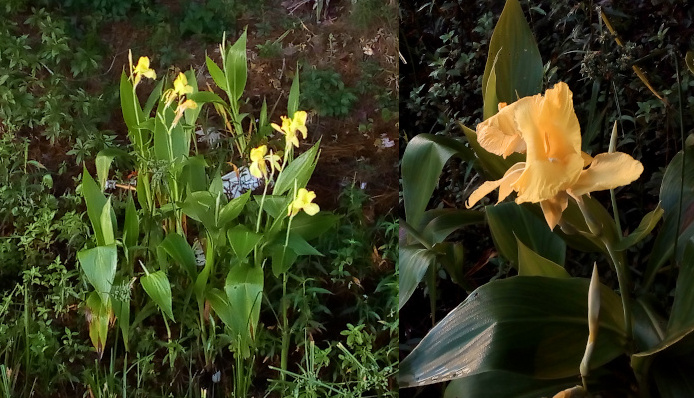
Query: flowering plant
x=543, y=331
x=183, y=204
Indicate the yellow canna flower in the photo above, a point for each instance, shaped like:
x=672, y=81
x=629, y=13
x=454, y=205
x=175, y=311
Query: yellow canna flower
x=182, y=107
x=258, y=167
x=141, y=69
x=181, y=86
x=291, y=125
x=546, y=128
x=303, y=202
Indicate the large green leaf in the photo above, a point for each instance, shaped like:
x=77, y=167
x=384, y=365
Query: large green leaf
x=311, y=227
x=242, y=240
x=677, y=199
x=178, y=248
x=216, y=73
x=415, y=260
x=131, y=225
x=202, y=206
x=95, y=201
x=293, y=100
x=244, y=289
x=533, y=264
x=103, y=163
x=518, y=65
x=506, y=384
x=99, y=265
x=533, y=326
x=439, y=223
x=509, y=221
x=231, y=210
x=421, y=167
x=236, y=68
x=158, y=288
x=299, y=170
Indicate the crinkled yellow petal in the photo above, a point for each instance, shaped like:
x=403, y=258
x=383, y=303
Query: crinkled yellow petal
x=552, y=134
x=607, y=171
x=553, y=208
x=258, y=153
x=506, y=181
x=499, y=134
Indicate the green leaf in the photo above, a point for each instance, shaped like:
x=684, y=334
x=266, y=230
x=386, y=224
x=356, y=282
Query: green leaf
x=244, y=288
x=442, y=222
x=510, y=220
x=171, y=145
x=108, y=223
x=236, y=68
x=216, y=73
x=533, y=264
x=491, y=102
x=488, y=384
x=242, y=240
x=301, y=247
x=153, y=98
x=518, y=66
x=275, y=206
x=415, y=260
x=293, y=101
x=178, y=248
x=201, y=206
x=231, y=210
x=452, y=255
x=311, y=227
x=103, y=163
x=533, y=326
x=131, y=226
x=282, y=259
x=99, y=266
x=95, y=201
x=158, y=288
x=191, y=115
x=300, y=170
x=194, y=173
x=677, y=200
x=132, y=113
x=220, y=306
x=204, y=97
x=682, y=314
x=648, y=222
x=122, y=311
x=422, y=163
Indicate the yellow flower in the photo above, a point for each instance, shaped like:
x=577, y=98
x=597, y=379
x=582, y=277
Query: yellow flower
x=291, y=125
x=546, y=129
x=141, y=69
x=187, y=104
x=180, y=88
x=303, y=201
x=258, y=167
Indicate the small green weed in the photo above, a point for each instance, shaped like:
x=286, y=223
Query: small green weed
x=324, y=91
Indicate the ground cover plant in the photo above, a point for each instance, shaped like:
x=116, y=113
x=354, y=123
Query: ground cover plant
x=175, y=218
x=569, y=291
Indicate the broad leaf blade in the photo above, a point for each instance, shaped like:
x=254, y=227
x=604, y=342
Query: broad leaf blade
x=421, y=167
x=518, y=67
x=510, y=220
x=533, y=264
x=178, y=248
x=99, y=265
x=300, y=170
x=415, y=260
x=514, y=385
x=236, y=68
x=534, y=326
x=158, y=288
x=242, y=240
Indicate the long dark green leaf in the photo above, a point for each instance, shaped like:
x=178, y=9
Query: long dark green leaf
x=534, y=326
x=178, y=248
x=300, y=170
x=421, y=167
x=533, y=264
x=648, y=222
x=510, y=220
x=518, y=67
x=414, y=262
x=442, y=222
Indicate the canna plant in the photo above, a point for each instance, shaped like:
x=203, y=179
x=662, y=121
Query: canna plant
x=182, y=200
x=544, y=332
